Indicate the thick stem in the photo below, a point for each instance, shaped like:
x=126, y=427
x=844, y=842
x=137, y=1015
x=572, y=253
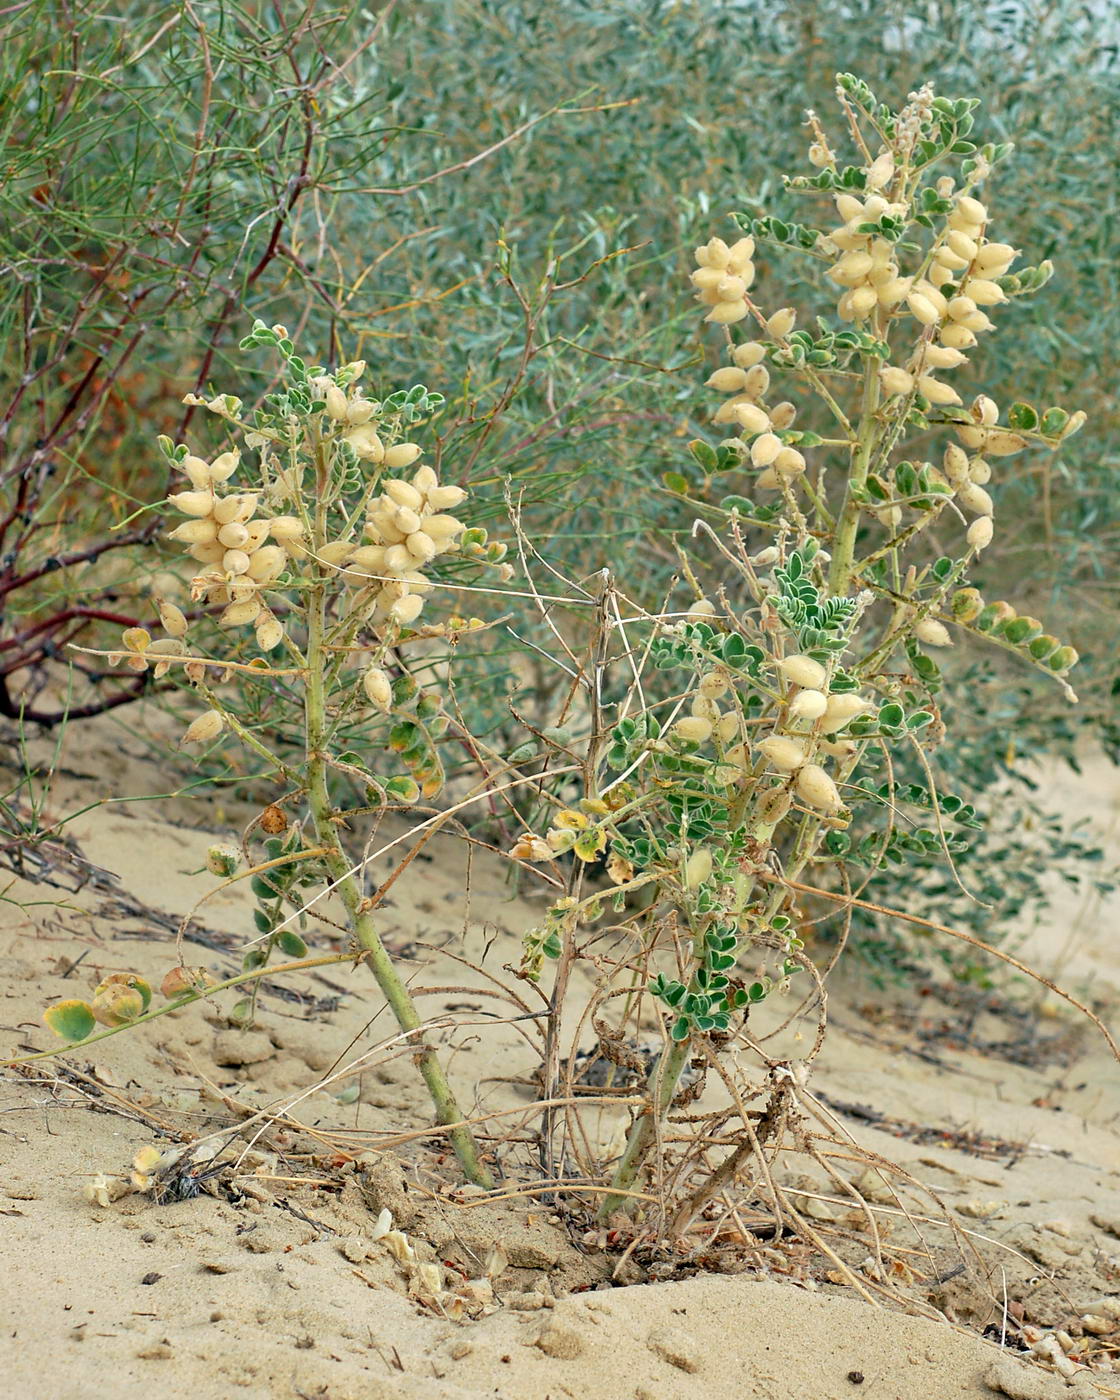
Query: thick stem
x=843, y=552
x=361, y=921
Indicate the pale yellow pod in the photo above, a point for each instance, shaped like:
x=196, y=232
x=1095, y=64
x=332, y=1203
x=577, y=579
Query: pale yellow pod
x=240, y=613
x=233, y=536
x=707, y=279
x=933, y=294
x=980, y=533
x=808, y=704
x=740, y=252
x=948, y=259
x=336, y=552
x=863, y=301
x=442, y=528
x=977, y=322
x=693, y=729
x=727, y=728
x=257, y=531
x=985, y=410
x=937, y=392
x=227, y=509
x=985, y=293
x=957, y=337
x=1001, y=444
x=789, y=462
x=698, y=867
x=750, y=417
x=406, y=520
x=815, y=787
x=782, y=753
x=446, y=497
x=726, y=313
x=704, y=707
x=223, y=467
x=404, y=494
x=730, y=288
x=359, y=411
x=402, y=455
x=975, y=499
x=235, y=561
x=421, y=546
x=398, y=559
x=783, y=414
x=852, y=268
x=269, y=633
x=752, y=352
x=849, y=207
x=894, y=291
x=417, y=583
x=194, y=532
x=963, y=246
x=993, y=259
x=369, y=556
x=378, y=688
x=204, y=728
x=895, y=380
x=955, y=462
x=944, y=357
x=197, y=471
x=804, y=671
x=424, y=479
x=979, y=471
x=972, y=210
x=335, y=403
x=769, y=480
x=267, y=563
x=923, y=309
x=194, y=503
x=839, y=748
x=730, y=379
x=782, y=322
x=841, y=709
x=366, y=444
x=714, y=253
x=406, y=609
x=210, y=553
x=171, y=619
x=932, y=633
x=703, y=607
x=285, y=527
x=765, y=448
x=756, y=381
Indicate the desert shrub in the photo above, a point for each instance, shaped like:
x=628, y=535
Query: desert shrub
x=722, y=769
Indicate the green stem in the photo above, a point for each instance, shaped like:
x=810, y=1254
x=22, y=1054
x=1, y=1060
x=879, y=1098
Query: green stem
x=843, y=553
x=349, y=890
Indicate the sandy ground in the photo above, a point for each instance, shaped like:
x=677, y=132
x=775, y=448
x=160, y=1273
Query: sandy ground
x=277, y=1284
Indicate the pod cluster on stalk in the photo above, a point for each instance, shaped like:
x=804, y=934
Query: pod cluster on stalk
x=723, y=277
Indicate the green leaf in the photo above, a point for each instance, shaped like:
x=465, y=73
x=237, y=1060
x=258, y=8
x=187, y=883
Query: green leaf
x=1022, y=417
x=704, y=454
x=72, y=1020
x=676, y=482
x=291, y=943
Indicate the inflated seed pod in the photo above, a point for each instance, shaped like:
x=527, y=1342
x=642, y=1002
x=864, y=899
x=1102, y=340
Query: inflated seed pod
x=195, y=531
x=406, y=609
x=424, y=479
x=204, y=728
x=937, y=392
x=808, y=704
x=693, y=729
x=378, y=688
x=211, y=553
x=841, y=709
x=957, y=337
x=335, y=403
x=197, y=472
x=815, y=787
x=285, y=527
x=923, y=309
x=765, y=448
x=782, y=753
x=404, y=494
x=752, y=352
x=406, y=520
x=727, y=728
x=839, y=748
x=697, y=868
x=728, y=380
x=443, y=529
x=365, y=443
x=713, y=684
x=703, y=607
x=955, y=462
x=769, y=480
x=895, y=380
x=782, y=322
x=171, y=619
x=705, y=707
x=402, y=455
x=726, y=313
x=398, y=558
x=446, y=497
x=730, y=288
x=773, y=804
x=862, y=302
x=932, y=633
x=359, y=411
x=233, y=536
x=240, y=613
x=979, y=471
x=336, y=551
x=804, y=671
x=223, y=467
x=971, y=210
x=789, y=462
x=944, y=357
x=195, y=503
x=980, y=532
x=975, y=499
x=267, y=563
x=235, y=561
x=750, y=417
x=783, y=414
x=269, y=632
x=421, y=546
